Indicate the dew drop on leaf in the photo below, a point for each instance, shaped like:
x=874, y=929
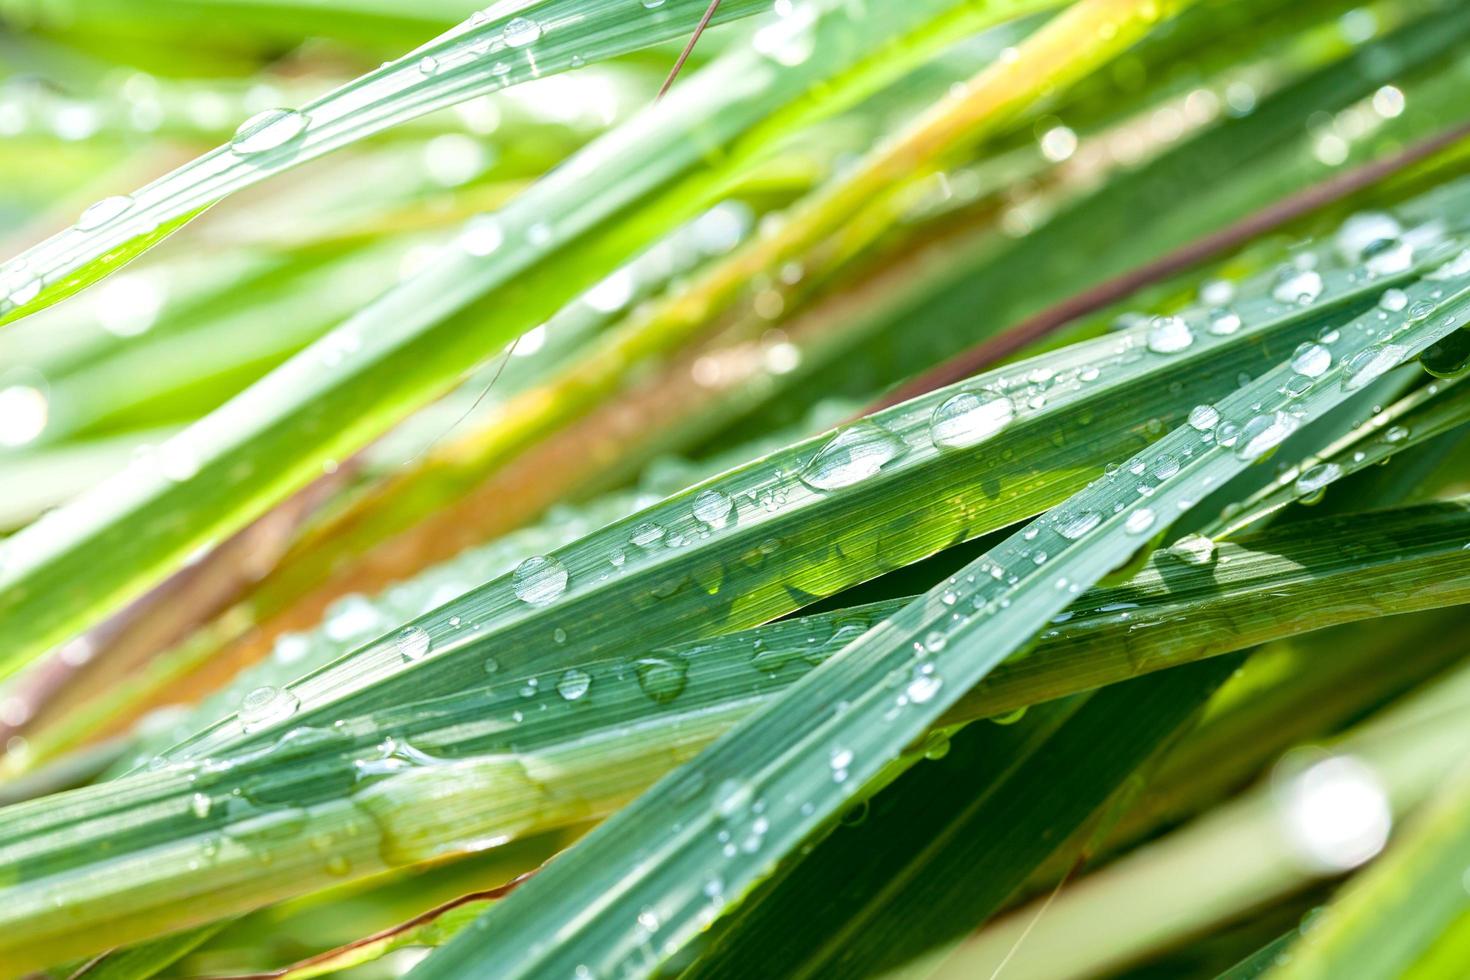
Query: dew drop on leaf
x=1311, y=359
x=539, y=580
x=104, y=211
x=574, y=684
x=412, y=642
x=1298, y=286
x=264, y=706
x=1264, y=433
x=521, y=31
x=852, y=456
x=268, y=130
x=713, y=507
x=662, y=676
x=1370, y=363
x=970, y=417
x=1169, y=335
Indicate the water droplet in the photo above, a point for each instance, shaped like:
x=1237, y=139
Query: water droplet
x=1393, y=300
x=199, y=805
x=970, y=417
x=1316, y=478
x=1164, y=466
x=1264, y=433
x=713, y=507
x=662, y=676
x=539, y=580
x=1074, y=526
x=1370, y=363
x=1139, y=521
x=104, y=211
x=521, y=31
x=853, y=455
x=1193, y=549
x=428, y=64
x=1311, y=359
x=24, y=411
x=412, y=642
x=265, y=706
x=646, y=535
x=1336, y=813
x=1224, y=321
x=1388, y=256
x=574, y=684
x=923, y=687
x=1169, y=335
x=1298, y=286
x=1203, y=417
x=268, y=130
x=1009, y=718
x=1361, y=231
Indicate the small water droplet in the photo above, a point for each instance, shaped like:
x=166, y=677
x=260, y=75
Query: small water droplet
x=713, y=507
x=428, y=64
x=970, y=417
x=852, y=456
x=1224, y=321
x=1393, y=300
x=1298, y=286
x=1264, y=433
x=539, y=580
x=1370, y=363
x=646, y=535
x=104, y=211
x=662, y=676
x=1316, y=478
x=1193, y=549
x=265, y=706
x=520, y=32
x=268, y=130
x=574, y=684
x=1203, y=417
x=1074, y=526
x=1139, y=521
x=1169, y=335
x=1388, y=256
x=1311, y=359
x=412, y=642
x=199, y=805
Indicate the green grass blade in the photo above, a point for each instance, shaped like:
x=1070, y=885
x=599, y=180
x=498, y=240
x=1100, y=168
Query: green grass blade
x=946, y=844
x=628, y=895
x=483, y=54
x=409, y=346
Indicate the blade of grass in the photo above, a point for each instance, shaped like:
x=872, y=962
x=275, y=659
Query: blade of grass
x=482, y=54
x=407, y=347
x=621, y=898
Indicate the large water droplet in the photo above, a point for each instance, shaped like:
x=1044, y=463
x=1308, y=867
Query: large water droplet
x=412, y=642
x=1139, y=521
x=1193, y=549
x=970, y=417
x=1298, y=286
x=574, y=684
x=1074, y=526
x=662, y=676
x=104, y=211
x=1203, y=417
x=1359, y=232
x=1312, y=360
x=646, y=535
x=268, y=130
x=521, y=32
x=853, y=455
x=1264, y=433
x=265, y=706
x=1370, y=363
x=1316, y=478
x=539, y=580
x=1388, y=256
x=1169, y=335
x=1224, y=321
x=713, y=507
x=1393, y=300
